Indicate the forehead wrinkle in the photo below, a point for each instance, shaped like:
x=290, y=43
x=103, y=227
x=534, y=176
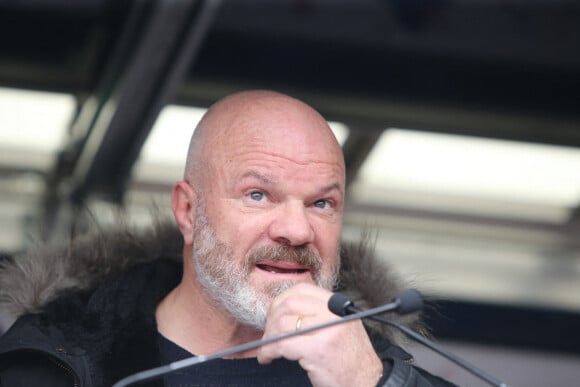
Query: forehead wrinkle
x=295, y=158
x=264, y=178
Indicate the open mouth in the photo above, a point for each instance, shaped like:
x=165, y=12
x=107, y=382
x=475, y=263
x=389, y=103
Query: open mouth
x=281, y=269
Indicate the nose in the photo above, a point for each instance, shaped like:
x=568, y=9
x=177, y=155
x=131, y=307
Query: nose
x=291, y=226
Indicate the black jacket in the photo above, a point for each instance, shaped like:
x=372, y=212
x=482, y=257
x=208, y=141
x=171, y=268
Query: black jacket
x=86, y=311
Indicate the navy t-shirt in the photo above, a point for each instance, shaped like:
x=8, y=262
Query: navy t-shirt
x=230, y=372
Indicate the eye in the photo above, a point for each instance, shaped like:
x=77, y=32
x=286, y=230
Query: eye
x=321, y=203
x=257, y=195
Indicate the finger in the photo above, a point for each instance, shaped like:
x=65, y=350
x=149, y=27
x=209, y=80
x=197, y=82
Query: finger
x=300, y=299
x=303, y=290
x=296, y=347
x=294, y=307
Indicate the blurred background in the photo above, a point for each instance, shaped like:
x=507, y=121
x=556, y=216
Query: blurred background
x=459, y=120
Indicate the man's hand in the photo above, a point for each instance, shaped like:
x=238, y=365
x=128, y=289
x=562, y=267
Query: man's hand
x=341, y=355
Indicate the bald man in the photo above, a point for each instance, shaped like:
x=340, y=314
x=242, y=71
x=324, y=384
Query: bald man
x=259, y=212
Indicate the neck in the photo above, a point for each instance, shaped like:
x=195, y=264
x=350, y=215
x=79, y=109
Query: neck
x=190, y=318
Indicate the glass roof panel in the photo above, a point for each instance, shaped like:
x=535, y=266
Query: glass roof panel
x=33, y=126
x=471, y=175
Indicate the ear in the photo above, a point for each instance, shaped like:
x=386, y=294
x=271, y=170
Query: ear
x=183, y=201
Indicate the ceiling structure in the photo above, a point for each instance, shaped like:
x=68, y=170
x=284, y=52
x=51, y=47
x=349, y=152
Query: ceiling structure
x=505, y=72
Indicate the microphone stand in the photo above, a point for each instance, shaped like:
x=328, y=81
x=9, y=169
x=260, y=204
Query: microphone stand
x=180, y=364
x=443, y=352
x=409, y=300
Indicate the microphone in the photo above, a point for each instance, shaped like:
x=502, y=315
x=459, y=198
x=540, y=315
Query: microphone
x=409, y=301
x=400, y=304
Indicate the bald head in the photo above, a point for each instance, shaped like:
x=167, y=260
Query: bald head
x=274, y=121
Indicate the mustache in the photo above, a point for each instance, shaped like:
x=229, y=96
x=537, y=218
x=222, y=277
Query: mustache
x=301, y=255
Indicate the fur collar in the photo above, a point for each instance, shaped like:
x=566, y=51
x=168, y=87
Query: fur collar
x=28, y=282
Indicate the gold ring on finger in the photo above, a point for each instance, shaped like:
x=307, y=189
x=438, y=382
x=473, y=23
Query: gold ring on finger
x=298, y=323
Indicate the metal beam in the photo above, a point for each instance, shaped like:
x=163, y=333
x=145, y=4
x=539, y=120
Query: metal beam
x=357, y=147
x=368, y=113
x=163, y=40
x=173, y=38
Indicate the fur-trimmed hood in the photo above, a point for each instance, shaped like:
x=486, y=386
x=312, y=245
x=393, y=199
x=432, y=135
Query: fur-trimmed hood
x=30, y=281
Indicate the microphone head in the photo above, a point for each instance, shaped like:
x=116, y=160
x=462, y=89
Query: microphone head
x=338, y=304
x=410, y=300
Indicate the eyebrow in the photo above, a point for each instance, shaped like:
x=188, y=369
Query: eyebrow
x=267, y=179
x=331, y=187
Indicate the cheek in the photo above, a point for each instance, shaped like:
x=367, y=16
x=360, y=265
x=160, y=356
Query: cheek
x=328, y=242
x=242, y=231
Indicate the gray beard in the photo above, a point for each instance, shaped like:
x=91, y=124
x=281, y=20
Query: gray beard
x=227, y=281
